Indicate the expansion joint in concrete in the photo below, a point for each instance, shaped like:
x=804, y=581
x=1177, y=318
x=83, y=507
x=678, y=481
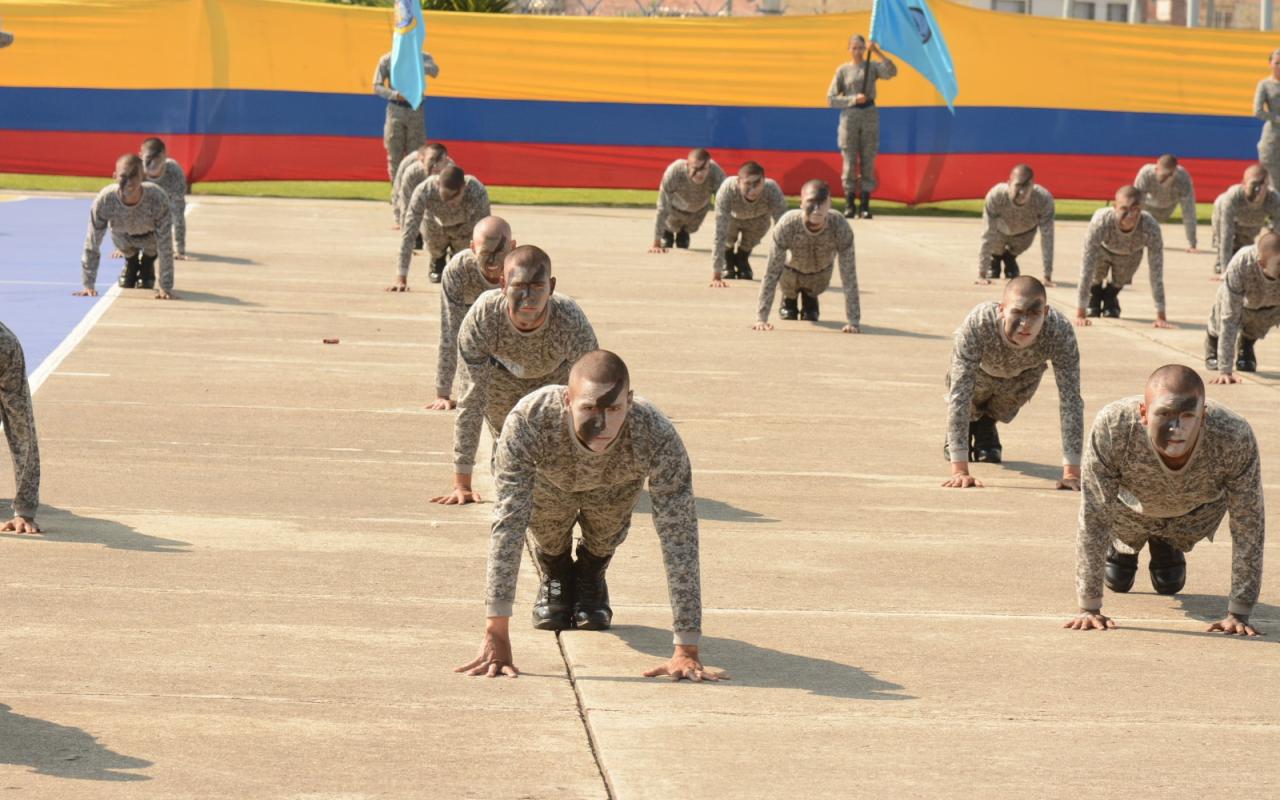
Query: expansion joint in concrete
x=586, y=722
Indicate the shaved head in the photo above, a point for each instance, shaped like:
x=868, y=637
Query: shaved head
x=1025, y=286
x=128, y=167
x=1168, y=161
x=1128, y=194
x=1255, y=172
x=817, y=189
x=452, y=178
x=1022, y=174
x=491, y=228
x=1268, y=244
x=699, y=155
x=750, y=168
x=600, y=366
x=1175, y=379
x=527, y=256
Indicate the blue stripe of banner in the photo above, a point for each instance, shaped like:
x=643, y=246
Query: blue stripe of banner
x=904, y=130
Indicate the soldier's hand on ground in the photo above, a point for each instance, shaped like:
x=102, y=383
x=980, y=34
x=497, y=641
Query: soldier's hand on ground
x=1090, y=621
x=685, y=664
x=851, y=329
x=85, y=293
x=961, y=479
x=1235, y=624
x=983, y=282
x=1216, y=278
x=442, y=404
x=459, y=496
x=20, y=525
x=718, y=282
x=117, y=254
x=1161, y=322
x=395, y=226
x=1081, y=320
x=401, y=284
x=1193, y=250
x=657, y=247
x=495, y=652
x=1048, y=282
x=165, y=294
x=1226, y=378
x=1070, y=481
x=762, y=326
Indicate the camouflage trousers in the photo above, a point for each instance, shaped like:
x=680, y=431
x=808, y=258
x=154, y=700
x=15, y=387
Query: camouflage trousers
x=404, y=131
x=1243, y=236
x=1269, y=157
x=1002, y=398
x=747, y=233
x=442, y=239
x=505, y=390
x=131, y=245
x=811, y=283
x=1131, y=530
x=679, y=219
x=602, y=515
x=859, y=145
x=1255, y=323
x=1120, y=268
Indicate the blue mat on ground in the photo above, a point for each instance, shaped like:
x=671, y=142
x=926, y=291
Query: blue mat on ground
x=41, y=241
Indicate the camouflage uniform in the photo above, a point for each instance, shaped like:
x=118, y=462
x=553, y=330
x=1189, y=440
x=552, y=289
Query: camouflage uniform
x=463, y=281
x=409, y=177
x=444, y=226
x=1237, y=222
x=991, y=377
x=1266, y=107
x=547, y=480
x=501, y=364
x=1248, y=303
x=1109, y=250
x=19, y=425
x=802, y=261
x=859, y=133
x=405, y=129
x=742, y=222
x=1131, y=496
x=174, y=184
x=683, y=204
x=1011, y=228
x=1160, y=199
x=134, y=229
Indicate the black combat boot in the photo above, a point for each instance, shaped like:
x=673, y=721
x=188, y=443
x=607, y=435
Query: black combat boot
x=1211, y=352
x=789, y=309
x=1168, y=567
x=1246, y=361
x=850, y=206
x=682, y=239
x=418, y=244
x=986, y=441
x=730, y=270
x=1095, y=301
x=1111, y=301
x=744, y=266
x=147, y=272
x=437, y=269
x=668, y=239
x=866, y=206
x=808, y=307
x=993, y=270
x=1011, y=266
x=553, y=610
x=1122, y=568
x=591, y=610
x=129, y=275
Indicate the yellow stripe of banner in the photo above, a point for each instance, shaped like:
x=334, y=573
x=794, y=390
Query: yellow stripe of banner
x=1001, y=59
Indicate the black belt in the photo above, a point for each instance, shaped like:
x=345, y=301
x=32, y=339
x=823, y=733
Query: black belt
x=868, y=104
x=401, y=103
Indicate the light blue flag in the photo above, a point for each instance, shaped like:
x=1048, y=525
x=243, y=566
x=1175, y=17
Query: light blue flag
x=406, y=52
x=908, y=29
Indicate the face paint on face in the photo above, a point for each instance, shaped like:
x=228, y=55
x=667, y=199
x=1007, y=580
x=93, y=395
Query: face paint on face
x=1163, y=174
x=751, y=187
x=1173, y=423
x=698, y=171
x=1254, y=185
x=1128, y=212
x=528, y=292
x=1022, y=319
x=598, y=411
x=130, y=189
x=815, y=211
x=154, y=167
x=490, y=253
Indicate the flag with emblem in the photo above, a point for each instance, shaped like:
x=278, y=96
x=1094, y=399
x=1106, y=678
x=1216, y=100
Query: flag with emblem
x=406, y=52
x=907, y=29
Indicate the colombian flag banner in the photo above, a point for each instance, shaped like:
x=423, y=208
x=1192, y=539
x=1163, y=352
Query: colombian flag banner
x=530, y=100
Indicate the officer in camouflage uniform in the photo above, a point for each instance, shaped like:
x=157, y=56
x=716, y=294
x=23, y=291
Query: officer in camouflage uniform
x=1113, y=248
x=405, y=129
x=20, y=431
x=684, y=198
x=551, y=475
x=1166, y=186
x=1266, y=107
x=746, y=206
x=1240, y=213
x=444, y=209
x=167, y=174
x=140, y=221
x=1013, y=212
x=1247, y=307
x=853, y=91
x=428, y=160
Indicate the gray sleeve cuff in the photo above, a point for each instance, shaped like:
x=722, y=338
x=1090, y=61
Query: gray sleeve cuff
x=1071, y=459
x=1090, y=603
x=499, y=608
x=689, y=638
x=463, y=469
x=1236, y=607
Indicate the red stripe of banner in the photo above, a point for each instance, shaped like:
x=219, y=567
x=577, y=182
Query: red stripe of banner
x=907, y=178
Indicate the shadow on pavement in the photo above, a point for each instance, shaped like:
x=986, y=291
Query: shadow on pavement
x=213, y=299
x=213, y=259
x=1032, y=470
x=61, y=751
x=711, y=510
x=766, y=668
x=60, y=525
x=1213, y=607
